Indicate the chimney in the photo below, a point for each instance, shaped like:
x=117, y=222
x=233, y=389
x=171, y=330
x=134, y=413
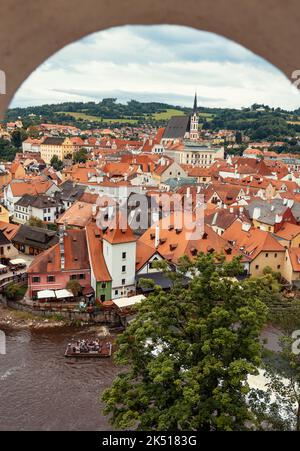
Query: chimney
x=157, y=236
x=246, y=226
x=278, y=219
x=256, y=213
x=290, y=203
x=62, y=230
x=188, y=191
x=198, y=189
x=241, y=210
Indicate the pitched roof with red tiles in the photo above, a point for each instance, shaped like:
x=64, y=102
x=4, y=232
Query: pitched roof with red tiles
x=95, y=247
x=288, y=231
x=9, y=229
x=33, y=187
x=119, y=231
x=251, y=242
x=178, y=236
x=78, y=215
x=294, y=254
x=75, y=252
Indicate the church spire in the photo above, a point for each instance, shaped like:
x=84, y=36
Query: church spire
x=195, y=103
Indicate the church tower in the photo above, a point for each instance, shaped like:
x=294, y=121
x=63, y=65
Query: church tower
x=194, y=133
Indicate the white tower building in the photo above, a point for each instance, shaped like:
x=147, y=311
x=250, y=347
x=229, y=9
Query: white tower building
x=119, y=250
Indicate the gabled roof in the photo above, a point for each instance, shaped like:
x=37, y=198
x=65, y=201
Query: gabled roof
x=177, y=127
x=34, y=187
x=75, y=252
x=78, y=215
x=3, y=240
x=294, y=254
x=35, y=237
x=119, y=232
x=48, y=141
x=177, y=237
x=143, y=254
x=288, y=231
x=251, y=242
x=41, y=201
x=95, y=248
x=9, y=229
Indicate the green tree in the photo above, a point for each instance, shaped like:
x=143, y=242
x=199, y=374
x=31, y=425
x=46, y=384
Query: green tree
x=277, y=407
x=75, y=287
x=36, y=222
x=17, y=137
x=80, y=156
x=189, y=351
x=7, y=151
x=56, y=163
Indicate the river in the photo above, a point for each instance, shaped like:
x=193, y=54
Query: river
x=42, y=390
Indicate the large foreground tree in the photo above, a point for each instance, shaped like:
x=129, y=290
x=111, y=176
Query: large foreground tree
x=188, y=353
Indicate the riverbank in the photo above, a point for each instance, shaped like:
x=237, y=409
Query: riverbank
x=16, y=319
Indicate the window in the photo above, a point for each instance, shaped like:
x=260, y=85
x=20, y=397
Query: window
x=50, y=279
x=278, y=266
x=275, y=255
x=267, y=255
x=124, y=268
x=36, y=279
x=81, y=276
x=123, y=281
x=1, y=250
x=256, y=266
x=102, y=297
x=103, y=285
x=73, y=277
x=123, y=255
x=116, y=292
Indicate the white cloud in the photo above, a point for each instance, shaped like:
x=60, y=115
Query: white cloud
x=162, y=63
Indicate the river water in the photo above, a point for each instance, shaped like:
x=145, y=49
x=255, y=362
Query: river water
x=42, y=390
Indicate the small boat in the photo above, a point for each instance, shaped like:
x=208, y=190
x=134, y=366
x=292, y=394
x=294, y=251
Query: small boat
x=89, y=349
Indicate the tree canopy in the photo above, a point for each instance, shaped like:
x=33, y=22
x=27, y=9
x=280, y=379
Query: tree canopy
x=189, y=351
x=56, y=163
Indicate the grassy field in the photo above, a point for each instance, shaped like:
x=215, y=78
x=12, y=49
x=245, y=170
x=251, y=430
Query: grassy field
x=165, y=115
x=89, y=118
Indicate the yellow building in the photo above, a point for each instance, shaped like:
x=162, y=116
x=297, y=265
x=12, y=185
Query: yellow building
x=17, y=171
x=291, y=271
x=60, y=147
x=5, y=176
x=4, y=215
x=260, y=247
x=289, y=235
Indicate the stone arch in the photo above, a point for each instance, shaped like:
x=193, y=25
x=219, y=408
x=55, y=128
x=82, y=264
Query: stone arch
x=31, y=31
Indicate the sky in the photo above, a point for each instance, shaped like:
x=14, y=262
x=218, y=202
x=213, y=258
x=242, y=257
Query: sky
x=160, y=63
